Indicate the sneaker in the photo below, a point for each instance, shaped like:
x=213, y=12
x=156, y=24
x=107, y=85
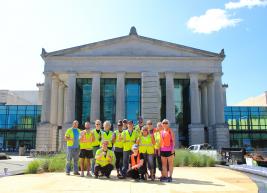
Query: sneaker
x=122, y=177
x=82, y=174
x=89, y=174
x=76, y=173
x=163, y=179
x=92, y=173
x=67, y=173
x=169, y=179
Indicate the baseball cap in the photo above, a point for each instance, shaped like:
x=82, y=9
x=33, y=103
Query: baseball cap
x=130, y=121
x=124, y=121
x=119, y=123
x=135, y=146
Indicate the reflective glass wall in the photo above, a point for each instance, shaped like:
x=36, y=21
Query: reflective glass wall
x=182, y=108
x=18, y=126
x=247, y=126
x=108, y=99
x=83, y=99
x=132, y=98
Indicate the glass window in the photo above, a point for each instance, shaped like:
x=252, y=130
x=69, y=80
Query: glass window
x=132, y=98
x=83, y=99
x=108, y=99
x=163, y=98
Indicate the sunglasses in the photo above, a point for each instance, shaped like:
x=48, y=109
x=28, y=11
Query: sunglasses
x=165, y=123
x=97, y=124
x=149, y=123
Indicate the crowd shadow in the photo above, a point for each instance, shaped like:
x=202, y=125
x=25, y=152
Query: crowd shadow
x=192, y=181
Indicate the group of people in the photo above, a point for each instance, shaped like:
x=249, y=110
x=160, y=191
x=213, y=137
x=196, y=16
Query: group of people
x=134, y=150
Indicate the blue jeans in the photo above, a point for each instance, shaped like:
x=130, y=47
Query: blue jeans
x=72, y=153
x=95, y=148
x=126, y=155
x=149, y=160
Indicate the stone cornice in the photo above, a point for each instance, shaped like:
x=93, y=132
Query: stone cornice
x=86, y=58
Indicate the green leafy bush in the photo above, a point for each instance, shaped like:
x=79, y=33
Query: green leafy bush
x=186, y=158
x=33, y=167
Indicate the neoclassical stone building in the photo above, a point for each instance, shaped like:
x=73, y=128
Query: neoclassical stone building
x=132, y=76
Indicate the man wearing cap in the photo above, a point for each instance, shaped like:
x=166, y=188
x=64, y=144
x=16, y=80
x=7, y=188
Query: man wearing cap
x=129, y=138
x=117, y=140
x=124, y=126
x=139, y=126
x=104, y=159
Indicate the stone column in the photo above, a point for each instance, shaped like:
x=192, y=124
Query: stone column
x=95, y=97
x=70, y=99
x=60, y=104
x=219, y=104
x=46, y=102
x=170, y=106
x=204, y=103
x=222, y=136
x=196, y=129
x=120, y=96
x=211, y=110
x=54, y=100
x=224, y=87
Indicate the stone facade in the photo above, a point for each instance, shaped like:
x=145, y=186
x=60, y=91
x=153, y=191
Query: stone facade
x=134, y=56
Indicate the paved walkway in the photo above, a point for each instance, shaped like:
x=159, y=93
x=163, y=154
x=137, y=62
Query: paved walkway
x=194, y=180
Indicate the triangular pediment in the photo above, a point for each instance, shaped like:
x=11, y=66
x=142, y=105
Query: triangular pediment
x=132, y=46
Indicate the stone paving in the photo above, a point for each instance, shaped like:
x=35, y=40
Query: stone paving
x=186, y=180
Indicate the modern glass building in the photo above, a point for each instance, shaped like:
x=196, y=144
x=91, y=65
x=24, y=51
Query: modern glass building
x=247, y=126
x=18, y=125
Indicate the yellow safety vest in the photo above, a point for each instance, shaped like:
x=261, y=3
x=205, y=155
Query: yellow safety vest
x=157, y=140
x=119, y=139
x=145, y=145
x=104, y=159
x=85, y=138
x=96, y=142
x=105, y=137
x=129, y=140
x=137, y=129
x=69, y=133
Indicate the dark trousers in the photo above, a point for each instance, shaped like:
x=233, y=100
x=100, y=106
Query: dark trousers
x=119, y=160
x=126, y=155
x=136, y=174
x=105, y=170
x=157, y=160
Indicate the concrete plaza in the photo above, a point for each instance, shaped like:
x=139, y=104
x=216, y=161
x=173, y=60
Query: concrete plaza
x=195, y=180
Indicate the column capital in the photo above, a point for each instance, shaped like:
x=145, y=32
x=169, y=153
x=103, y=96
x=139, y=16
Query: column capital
x=121, y=73
x=48, y=73
x=169, y=73
x=217, y=75
x=61, y=84
x=204, y=84
x=193, y=75
x=96, y=73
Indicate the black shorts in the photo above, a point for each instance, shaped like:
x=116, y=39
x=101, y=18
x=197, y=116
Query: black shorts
x=166, y=153
x=84, y=153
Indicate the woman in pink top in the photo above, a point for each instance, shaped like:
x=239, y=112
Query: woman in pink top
x=167, y=144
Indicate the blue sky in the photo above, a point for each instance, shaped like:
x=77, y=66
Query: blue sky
x=238, y=26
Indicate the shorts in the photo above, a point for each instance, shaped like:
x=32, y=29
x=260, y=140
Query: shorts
x=86, y=153
x=166, y=153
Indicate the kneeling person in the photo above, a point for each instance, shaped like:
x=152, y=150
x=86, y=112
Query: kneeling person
x=136, y=170
x=104, y=159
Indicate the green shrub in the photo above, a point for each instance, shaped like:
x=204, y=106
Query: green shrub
x=57, y=163
x=186, y=158
x=33, y=167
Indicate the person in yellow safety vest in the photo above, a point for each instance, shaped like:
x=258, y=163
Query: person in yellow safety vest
x=139, y=126
x=146, y=144
x=157, y=157
x=73, y=147
x=86, y=151
x=129, y=138
x=117, y=140
x=136, y=165
x=104, y=159
x=96, y=143
x=106, y=134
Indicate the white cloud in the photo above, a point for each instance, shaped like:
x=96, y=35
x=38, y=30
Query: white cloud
x=245, y=3
x=213, y=20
